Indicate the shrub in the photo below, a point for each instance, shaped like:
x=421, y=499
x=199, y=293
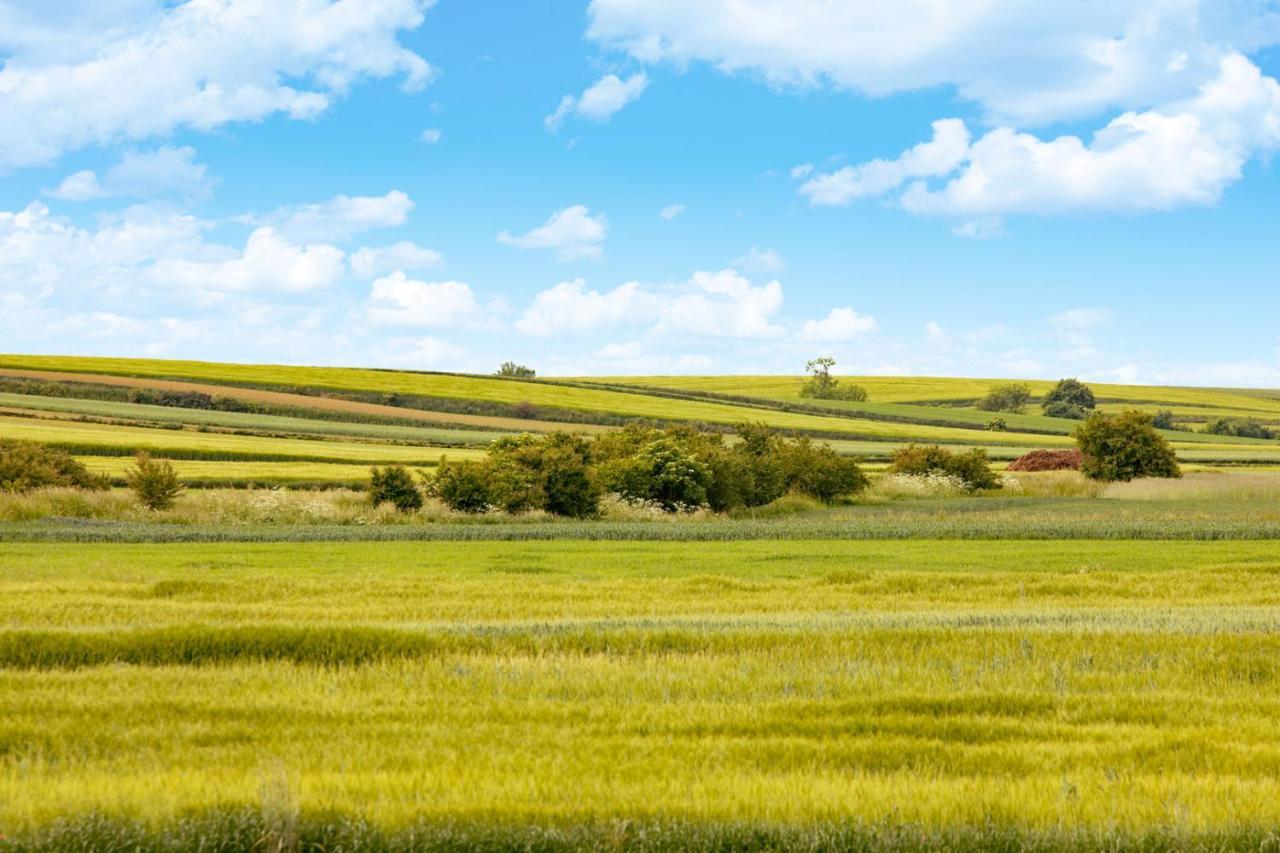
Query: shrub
x=1239, y=427
x=1071, y=391
x=819, y=471
x=1048, y=460
x=393, y=484
x=177, y=399
x=1063, y=409
x=971, y=466
x=996, y=425
x=516, y=371
x=1123, y=447
x=463, y=486
x=154, y=482
x=664, y=472
x=551, y=472
x=526, y=410
x=1163, y=419
x=26, y=465
x=821, y=385
x=1012, y=397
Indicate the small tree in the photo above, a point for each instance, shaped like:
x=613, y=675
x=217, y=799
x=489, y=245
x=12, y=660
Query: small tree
x=665, y=472
x=1063, y=409
x=1070, y=391
x=1123, y=447
x=1163, y=419
x=821, y=385
x=463, y=486
x=1012, y=397
x=996, y=425
x=820, y=472
x=154, y=482
x=394, y=485
x=516, y=371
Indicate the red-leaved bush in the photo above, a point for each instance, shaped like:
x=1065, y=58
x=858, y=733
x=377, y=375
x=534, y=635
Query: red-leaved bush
x=1048, y=460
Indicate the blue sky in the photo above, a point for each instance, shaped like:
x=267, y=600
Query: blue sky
x=647, y=186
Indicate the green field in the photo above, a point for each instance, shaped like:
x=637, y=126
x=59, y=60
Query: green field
x=1057, y=691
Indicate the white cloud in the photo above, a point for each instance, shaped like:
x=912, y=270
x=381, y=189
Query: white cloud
x=371, y=262
x=1073, y=59
x=939, y=156
x=762, y=261
x=842, y=324
x=801, y=171
x=139, y=173
x=1078, y=327
x=671, y=211
x=336, y=219
x=64, y=85
x=1183, y=153
x=600, y=100
x=724, y=304
x=431, y=135
x=398, y=299
x=982, y=228
x=573, y=233
x=268, y=262
x=423, y=353
x=569, y=307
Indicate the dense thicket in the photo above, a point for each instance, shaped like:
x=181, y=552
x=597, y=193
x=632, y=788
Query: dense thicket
x=1239, y=427
x=970, y=467
x=1012, y=398
x=25, y=465
x=1070, y=398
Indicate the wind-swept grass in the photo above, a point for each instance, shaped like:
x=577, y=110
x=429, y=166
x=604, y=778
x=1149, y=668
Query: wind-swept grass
x=573, y=695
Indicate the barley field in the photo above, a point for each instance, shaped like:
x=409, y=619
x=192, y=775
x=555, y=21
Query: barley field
x=991, y=692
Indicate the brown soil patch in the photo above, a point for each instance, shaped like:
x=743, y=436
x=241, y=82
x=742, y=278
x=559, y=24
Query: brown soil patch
x=304, y=401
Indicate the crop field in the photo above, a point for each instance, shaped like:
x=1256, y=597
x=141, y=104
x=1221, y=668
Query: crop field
x=977, y=693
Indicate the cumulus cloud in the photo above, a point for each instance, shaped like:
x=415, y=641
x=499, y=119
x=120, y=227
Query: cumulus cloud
x=268, y=262
x=1078, y=327
x=422, y=353
x=572, y=233
x=1074, y=59
x=338, y=218
x=370, y=262
x=64, y=86
x=842, y=324
x=599, y=101
x=1183, y=153
x=724, y=304
x=139, y=174
x=398, y=299
x=671, y=211
x=570, y=307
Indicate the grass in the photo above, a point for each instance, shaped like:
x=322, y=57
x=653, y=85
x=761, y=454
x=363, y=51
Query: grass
x=93, y=439
x=199, y=472
x=891, y=693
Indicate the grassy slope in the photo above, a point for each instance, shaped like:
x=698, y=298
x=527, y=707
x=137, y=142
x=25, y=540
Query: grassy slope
x=1050, y=687
x=110, y=439
x=244, y=421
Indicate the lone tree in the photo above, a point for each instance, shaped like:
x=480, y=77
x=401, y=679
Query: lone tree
x=1123, y=447
x=155, y=483
x=1012, y=398
x=821, y=385
x=1070, y=398
x=515, y=371
x=393, y=484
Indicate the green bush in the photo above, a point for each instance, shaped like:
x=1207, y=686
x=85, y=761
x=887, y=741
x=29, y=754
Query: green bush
x=819, y=471
x=1012, y=398
x=1123, y=447
x=394, y=484
x=971, y=466
x=515, y=371
x=26, y=465
x=551, y=472
x=462, y=486
x=996, y=425
x=1063, y=409
x=1239, y=427
x=1071, y=391
x=1163, y=419
x=664, y=472
x=154, y=482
